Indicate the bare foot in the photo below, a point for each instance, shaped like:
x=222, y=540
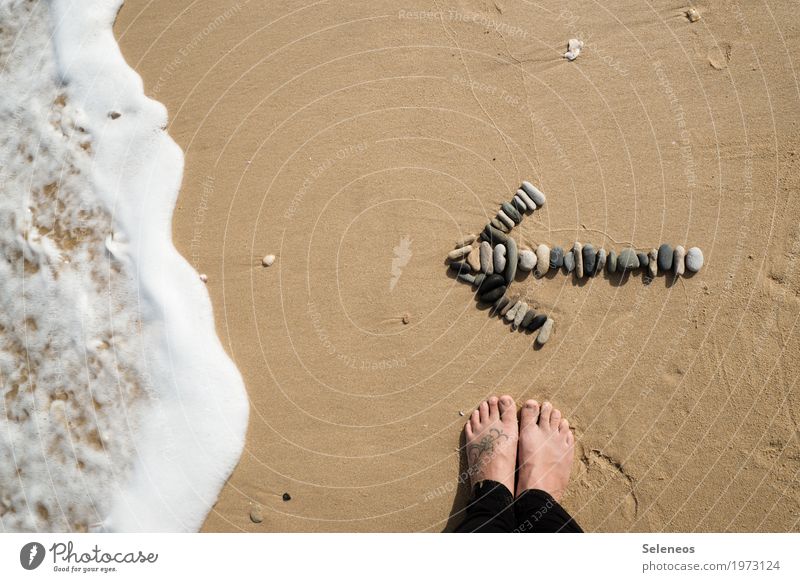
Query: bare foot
x=546, y=449
x=492, y=436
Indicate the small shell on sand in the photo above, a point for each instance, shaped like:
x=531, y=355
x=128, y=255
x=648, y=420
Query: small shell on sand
x=574, y=47
x=693, y=15
x=204, y=278
x=256, y=515
x=406, y=318
x=268, y=260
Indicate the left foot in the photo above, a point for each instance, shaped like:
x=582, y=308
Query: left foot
x=492, y=435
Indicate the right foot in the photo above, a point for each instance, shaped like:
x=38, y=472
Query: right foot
x=546, y=449
x=492, y=435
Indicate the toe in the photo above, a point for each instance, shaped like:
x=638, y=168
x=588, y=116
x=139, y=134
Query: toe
x=468, y=430
x=508, y=410
x=544, y=415
x=563, y=426
x=475, y=420
x=529, y=413
x=555, y=418
x=494, y=411
x=484, y=411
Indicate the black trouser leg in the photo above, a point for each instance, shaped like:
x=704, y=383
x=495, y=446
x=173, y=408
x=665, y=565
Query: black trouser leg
x=491, y=510
x=536, y=511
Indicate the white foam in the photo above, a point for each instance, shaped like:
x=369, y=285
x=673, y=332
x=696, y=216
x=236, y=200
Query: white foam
x=121, y=410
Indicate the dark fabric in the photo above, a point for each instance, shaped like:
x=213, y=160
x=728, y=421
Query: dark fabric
x=493, y=509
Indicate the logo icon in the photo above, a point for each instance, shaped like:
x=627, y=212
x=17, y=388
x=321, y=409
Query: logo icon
x=402, y=255
x=31, y=555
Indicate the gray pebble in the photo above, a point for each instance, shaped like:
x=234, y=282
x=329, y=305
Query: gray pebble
x=467, y=240
x=589, y=260
x=519, y=204
x=545, y=332
x=493, y=236
x=466, y=277
x=537, y=322
x=694, y=259
x=569, y=262
x=459, y=267
x=643, y=259
x=652, y=263
x=492, y=282
x=522, y=310
x=534, y=193
x=499, y=258
x=512, y=313
x=487, y=265
x=509, y=306
x=526, y=321
x=493, y=295
x=511, y=212
x=479, y=279
x=577, y=253
x=628, y=261
x=665, y=253
x=499, y=305
x=527, y=260
x=505, y=219
x=611, y=265
x=556, y=258
x=542, y=260
x=499, y=225
x=512, y=257
x=601, y=262
x=527, y=200
x=459, y=253
x=678, y=258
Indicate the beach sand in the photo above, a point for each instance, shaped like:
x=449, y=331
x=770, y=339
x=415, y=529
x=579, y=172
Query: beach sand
x=339, y=135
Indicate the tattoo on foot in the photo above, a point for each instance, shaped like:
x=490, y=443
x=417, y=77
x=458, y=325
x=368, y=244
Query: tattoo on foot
x=486, y=446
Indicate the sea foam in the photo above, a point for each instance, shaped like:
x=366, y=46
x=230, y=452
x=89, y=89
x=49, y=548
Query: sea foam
x=120, y=409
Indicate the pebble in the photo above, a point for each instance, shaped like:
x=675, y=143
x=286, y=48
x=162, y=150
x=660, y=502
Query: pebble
x=693, y=15
x=499, y=225
x=652, y=263
x=485, y=255
x=522, y=310
x=255, y=514
x=577, y=253
x=204, y=278
x=527, y=260
x=601, y=262
x=511, y=260
x=643, y=259
x=508, y=306
x=589, y=260
x=406, y=319
x=270, y=259
x=556, y=258
x=569, y=262
x=459, y=253
x=665, y=254
x=286, y=497
x=511, y=212
x=479, y=278
x=492, y=282
x=527, y=200
x=466, y=277
x=542, y=260
x=512, y=313
x=459, y=267
x=519, y=204
x=678, y=260
x=537, y=322
x=467, y=240
x=694, y=259
x=526, y=321
x=534, y=193
x=499, y=305
x=493, y=295
x=499, y=258
x=505, y=219
x=628, y=261
x=493, y=236
x=474, y=259
x=545, y=332
x=611, y=264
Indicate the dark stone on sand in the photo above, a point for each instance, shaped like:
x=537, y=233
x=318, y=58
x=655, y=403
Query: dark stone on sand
x=643, y=259
x=537, y=322
x=466, y=277
x=664, y=259
x=611, y=264
x=526, y=321
x=460, y=267
x=493, y=295
x=589, y=260
x=512, y=257
x=493, y=236
x=491, y=282
x=287, y=497
x=511, y=212
x=479, y=278
x=556, y=258
x=628, y=261
x=499, y=305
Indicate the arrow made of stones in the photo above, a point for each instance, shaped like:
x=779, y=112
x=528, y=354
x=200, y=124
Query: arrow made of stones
x=489, y=262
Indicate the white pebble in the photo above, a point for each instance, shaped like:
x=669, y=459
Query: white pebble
x=499, y=258
x=574, y=47
x=534, y=193
x=459, y=253
x=542, y=260
x=520, y=314
x=504, y=218
x=204, y=278
x=527, y=200
x=527, y=260
x=268, y=260
x=545, y=332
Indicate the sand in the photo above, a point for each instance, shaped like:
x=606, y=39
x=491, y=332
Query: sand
x=357, y=142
